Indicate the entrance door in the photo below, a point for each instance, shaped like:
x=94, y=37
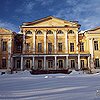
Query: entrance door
x=60, y=63
x=82, y=63
x=50, y=63
x=39, y=64
x=27, y=64
x=73, y=64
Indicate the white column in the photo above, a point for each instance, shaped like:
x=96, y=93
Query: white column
x=66, y=42
x=79, y=61
x=12, y=63
x=66, y=61
x=24, y=42
x=9, y=52
x=77, y=42
x=44, y=62
x=21, y=62
x=33, y=61
x=44, y=42
x=55, y=42
x=89, y=62
x=33, y=41
x=55, y=62
x=91, y=52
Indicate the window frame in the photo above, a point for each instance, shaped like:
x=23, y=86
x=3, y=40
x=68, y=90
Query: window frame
x=4, y=45
x=4, y=63
x=38, y=32
x=71, y=47
x=49, y=47
x=27, y=46
x=97, y=62
x=49, y=32
x=50, y=63
x=60, y=47
x=81, y=46
x=96, y=45
x=60, y=32
x=70, y=32
x=28, y=32
x=39, y=47
x=40, y=63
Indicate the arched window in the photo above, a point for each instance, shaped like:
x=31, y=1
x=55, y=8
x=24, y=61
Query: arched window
x=38, y=32
x=71, y=32
x=49, y=32
x=28, y=32
x=60, y=32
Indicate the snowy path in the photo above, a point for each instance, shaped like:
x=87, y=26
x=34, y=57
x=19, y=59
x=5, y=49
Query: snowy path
x=49, y=87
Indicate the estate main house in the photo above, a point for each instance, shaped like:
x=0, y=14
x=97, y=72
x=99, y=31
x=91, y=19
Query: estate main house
x=50, y=43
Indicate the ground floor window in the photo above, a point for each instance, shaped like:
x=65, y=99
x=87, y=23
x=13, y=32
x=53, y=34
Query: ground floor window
x=3, y=63
x=96, y=62
x=18, y=63
x=60, y=63
x=50, y=63
x=82, y=64
x=72, y=64
x=39, y=64
x=28, y=63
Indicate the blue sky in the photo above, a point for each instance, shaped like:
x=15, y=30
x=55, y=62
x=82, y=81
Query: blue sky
x=14, y=12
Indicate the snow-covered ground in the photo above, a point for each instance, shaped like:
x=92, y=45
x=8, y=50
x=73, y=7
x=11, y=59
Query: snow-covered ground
x=75, y=86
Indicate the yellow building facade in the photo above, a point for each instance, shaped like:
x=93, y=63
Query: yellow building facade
x=51, y=43
x=6, y=48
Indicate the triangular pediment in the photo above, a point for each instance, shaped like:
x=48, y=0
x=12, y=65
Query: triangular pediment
x=5, y=31
x=50, y=22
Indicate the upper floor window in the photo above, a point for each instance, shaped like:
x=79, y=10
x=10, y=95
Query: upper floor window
x=28, y=32
x=27, y=46
x=49, y=32
x=49, y=47
x=38, y=32
x=70, y=32
x=95, y=45
x=81, y=47
x=59, y=46
x=97, y=62
x=19, y=47
x=59, y=32
x=39, y=47
x=71, y=47
x=4, y=46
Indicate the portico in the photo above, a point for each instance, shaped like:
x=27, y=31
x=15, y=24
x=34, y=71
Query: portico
x=52, y=62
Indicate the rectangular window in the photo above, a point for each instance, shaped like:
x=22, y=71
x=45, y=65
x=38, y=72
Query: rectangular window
x=60, y=63
x=81, y=47
x=19, y=47
x=82, y=64
x=4, y=46
x=27, y=46
x=27, y=63
x=71, y=47
x=50, y=63
x=3, y=63
x=39, y=47
x=18, y=63
x=73, y=64
x=49, y=47
x=39, y=64
x=95, y=45
x=59, y=46
x=96, y=62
